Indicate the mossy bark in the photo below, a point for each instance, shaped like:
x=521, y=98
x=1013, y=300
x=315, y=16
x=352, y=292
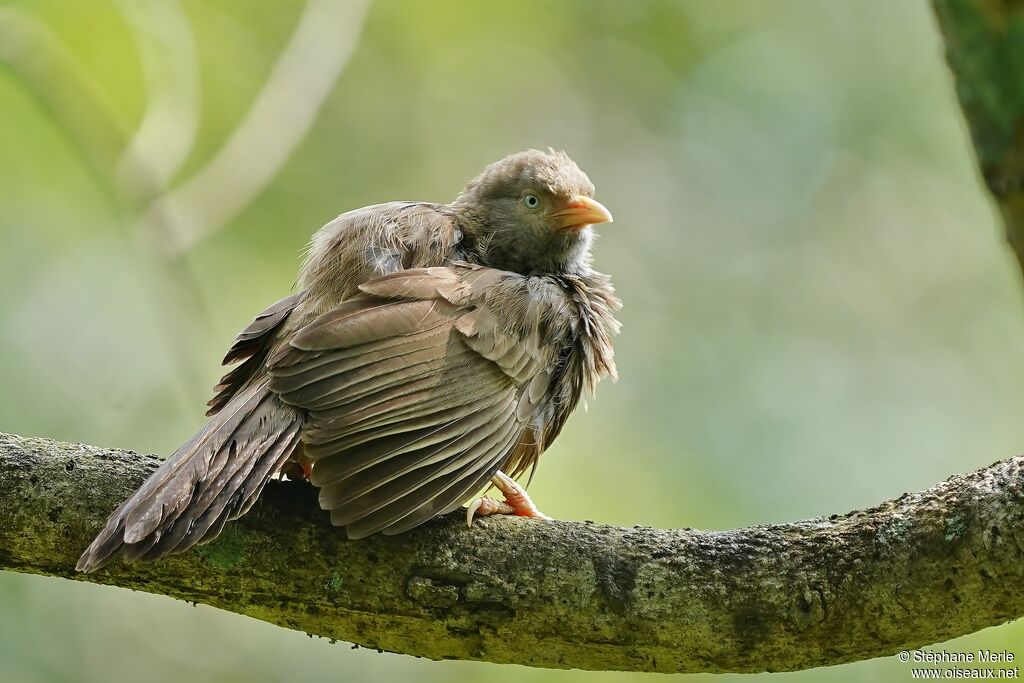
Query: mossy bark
x=921, y=569
x=985, y=50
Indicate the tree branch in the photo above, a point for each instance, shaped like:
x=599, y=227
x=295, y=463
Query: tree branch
x=985, y=51
x=923, y=568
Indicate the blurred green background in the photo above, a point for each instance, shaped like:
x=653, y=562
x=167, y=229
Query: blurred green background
x=820, y=312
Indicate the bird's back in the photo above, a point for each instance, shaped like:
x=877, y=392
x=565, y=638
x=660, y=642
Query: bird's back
x=377, y=240
x=352, y=249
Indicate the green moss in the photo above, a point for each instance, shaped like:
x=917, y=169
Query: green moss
x=986, y=52
x=227, y=551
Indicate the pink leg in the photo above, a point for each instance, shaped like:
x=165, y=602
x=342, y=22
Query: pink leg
x=517, y=501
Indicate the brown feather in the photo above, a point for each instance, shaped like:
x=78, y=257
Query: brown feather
x=429, y=424
x=429, y=346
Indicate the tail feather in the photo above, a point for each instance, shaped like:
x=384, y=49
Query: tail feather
x=213, y=478
x=173, y=485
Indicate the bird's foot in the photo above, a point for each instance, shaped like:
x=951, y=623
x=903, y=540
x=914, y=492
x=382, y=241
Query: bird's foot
x=517, y=501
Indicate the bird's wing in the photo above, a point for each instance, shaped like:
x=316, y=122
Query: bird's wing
x=418, y=390
x=251, y=346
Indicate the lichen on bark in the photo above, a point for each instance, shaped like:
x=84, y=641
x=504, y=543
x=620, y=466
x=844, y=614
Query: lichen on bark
x=920, y=569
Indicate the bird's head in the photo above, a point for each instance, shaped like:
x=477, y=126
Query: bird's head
x=531, y=213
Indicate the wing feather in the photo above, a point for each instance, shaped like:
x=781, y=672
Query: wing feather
x=382, y=460
x=384, y=505
x=417, y=391
x=252, y=345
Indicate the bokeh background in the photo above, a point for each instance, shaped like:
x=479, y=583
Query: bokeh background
x=820, y=311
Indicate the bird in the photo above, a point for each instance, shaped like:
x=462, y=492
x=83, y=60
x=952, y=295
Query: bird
x=430, y=351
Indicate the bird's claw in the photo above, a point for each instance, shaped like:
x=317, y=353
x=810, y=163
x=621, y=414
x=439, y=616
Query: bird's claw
x=517, y=501
x=484, y=506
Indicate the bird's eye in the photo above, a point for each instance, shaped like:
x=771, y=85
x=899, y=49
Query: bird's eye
x=531, y=201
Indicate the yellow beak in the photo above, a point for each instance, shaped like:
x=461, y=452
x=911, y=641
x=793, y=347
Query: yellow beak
x=581, y=212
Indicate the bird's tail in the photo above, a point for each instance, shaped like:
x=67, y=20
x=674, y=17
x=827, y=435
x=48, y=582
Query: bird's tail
x=215, y=477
